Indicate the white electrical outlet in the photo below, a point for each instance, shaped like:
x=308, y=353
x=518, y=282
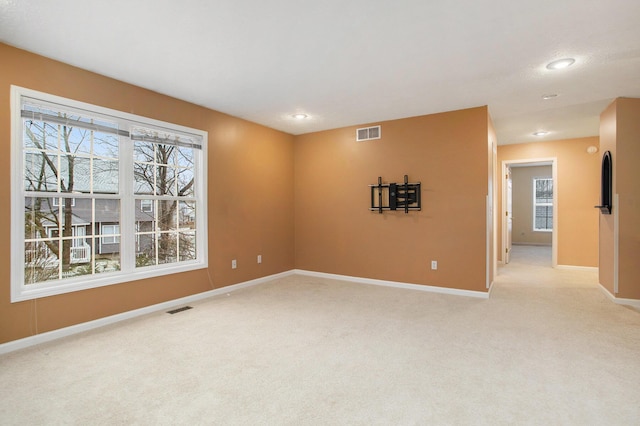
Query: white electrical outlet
x=259, y=258
x=234, y=264
x=434, y=264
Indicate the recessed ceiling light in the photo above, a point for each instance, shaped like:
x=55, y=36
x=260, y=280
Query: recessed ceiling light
x=540, y=133
x=299, y=116
x=549, y=96
x=560, y=63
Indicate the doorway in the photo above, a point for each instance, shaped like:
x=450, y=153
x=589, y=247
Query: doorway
x=534, y=225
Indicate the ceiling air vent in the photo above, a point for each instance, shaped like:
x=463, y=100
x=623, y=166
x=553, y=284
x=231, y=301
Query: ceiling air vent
x=368, y=133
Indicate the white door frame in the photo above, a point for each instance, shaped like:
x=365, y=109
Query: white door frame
x=508, y=217
x=554, y=175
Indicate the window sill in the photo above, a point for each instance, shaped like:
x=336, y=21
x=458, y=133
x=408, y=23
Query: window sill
x=35, y=291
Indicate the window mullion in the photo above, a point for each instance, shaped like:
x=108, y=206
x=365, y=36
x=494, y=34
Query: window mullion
x=127, y=206
x=94, y=239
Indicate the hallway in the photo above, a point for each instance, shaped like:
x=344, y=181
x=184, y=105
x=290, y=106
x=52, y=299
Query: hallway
x=530, y=266
x=531, y=255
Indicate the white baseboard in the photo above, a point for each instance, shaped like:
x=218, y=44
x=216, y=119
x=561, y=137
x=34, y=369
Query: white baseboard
x=490, y=289
x=578, y=268
x=101, y=322
x=635, y=303
x=432, y=289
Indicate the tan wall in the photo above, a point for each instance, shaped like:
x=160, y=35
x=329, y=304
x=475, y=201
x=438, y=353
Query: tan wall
x=628, y=188
x=522, y=178
x=621, y=128
x=336, y=232
x=250, y=198
x=578, y=186
x=606, y=225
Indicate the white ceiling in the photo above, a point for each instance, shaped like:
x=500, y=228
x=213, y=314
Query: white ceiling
x=347, y=62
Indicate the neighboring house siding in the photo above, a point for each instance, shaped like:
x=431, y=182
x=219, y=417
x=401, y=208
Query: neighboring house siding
x=107, y=214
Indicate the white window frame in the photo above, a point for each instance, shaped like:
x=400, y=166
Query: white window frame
x=111, y=237
x=146, y=203
x=128, y=270
x=537, y=204
x=56, y=202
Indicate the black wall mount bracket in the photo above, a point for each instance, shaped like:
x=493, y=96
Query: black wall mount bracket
x=394, y=196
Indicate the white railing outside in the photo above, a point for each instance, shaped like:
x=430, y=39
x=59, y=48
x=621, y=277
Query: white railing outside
x=80, y=254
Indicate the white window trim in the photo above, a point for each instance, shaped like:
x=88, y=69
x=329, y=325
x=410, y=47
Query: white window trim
x=128, y=272
x=56, y=202
x=144, y=203
x=110, y=237
x=540, y=204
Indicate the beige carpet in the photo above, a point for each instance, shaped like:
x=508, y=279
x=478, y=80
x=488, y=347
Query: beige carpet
x=548, y=348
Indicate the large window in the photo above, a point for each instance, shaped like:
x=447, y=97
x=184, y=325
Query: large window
x=103, y=196
x=543, y=204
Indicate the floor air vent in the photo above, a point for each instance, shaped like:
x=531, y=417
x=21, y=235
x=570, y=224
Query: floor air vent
x=368, y=133
x=175, y=311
